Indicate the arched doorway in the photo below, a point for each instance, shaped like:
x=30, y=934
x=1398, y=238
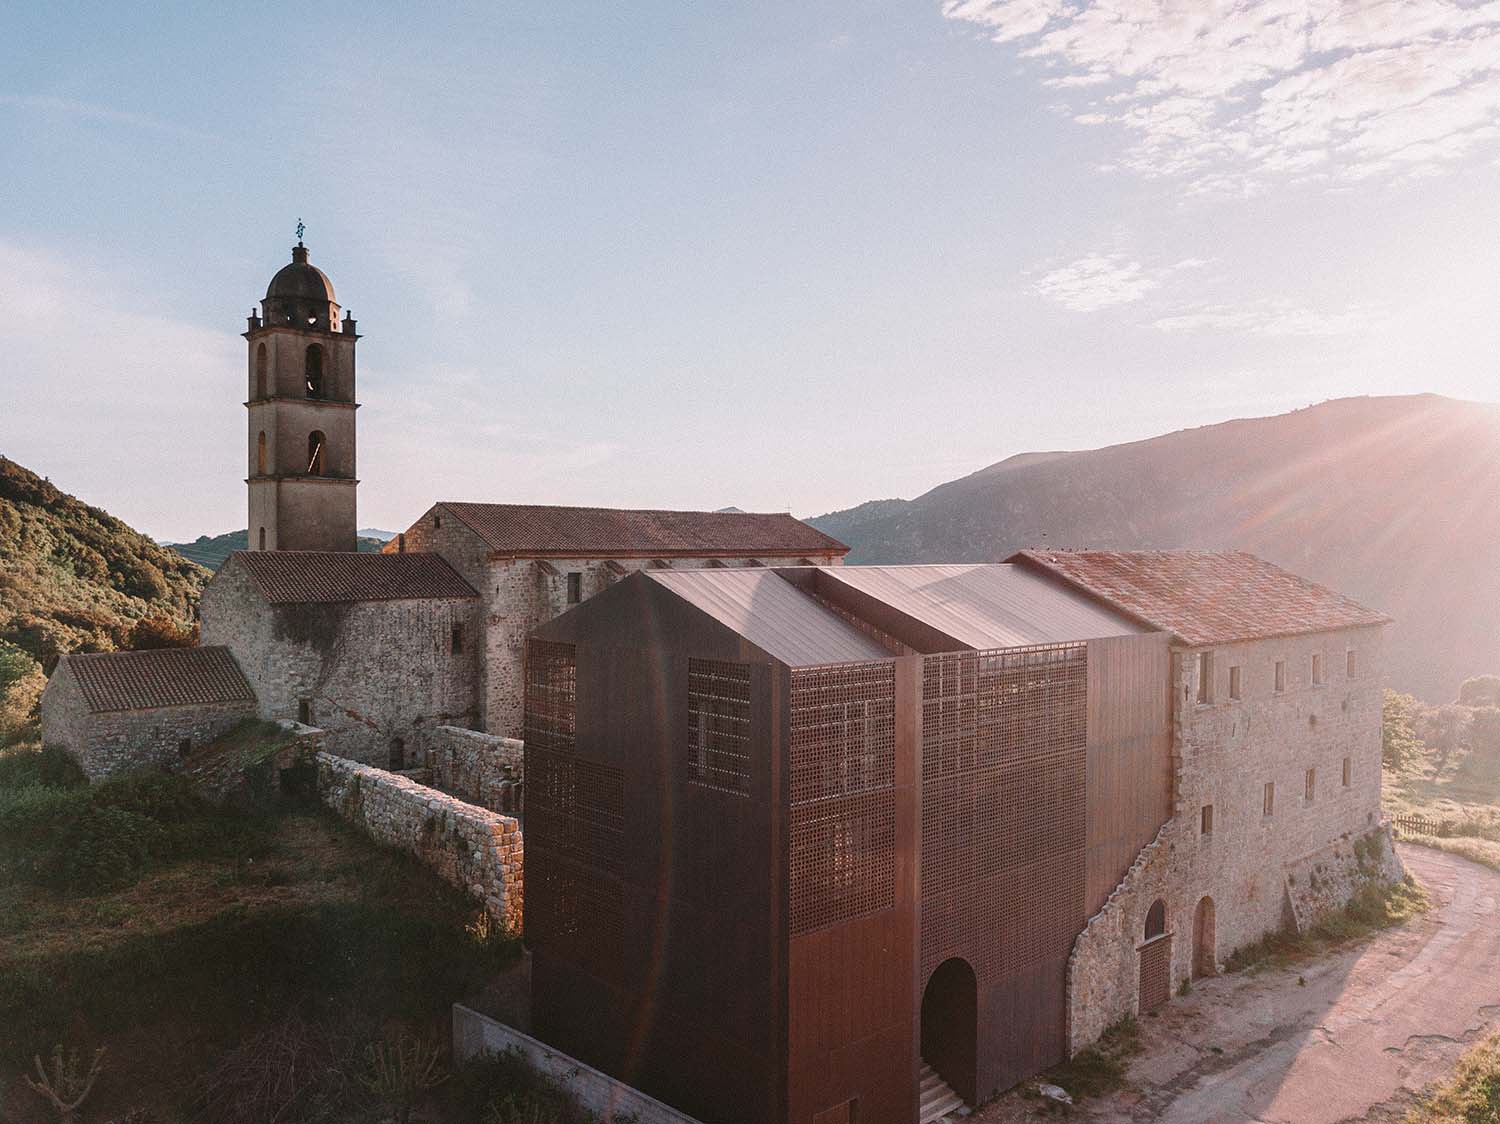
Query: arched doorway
x=1204, y=953
x=1156, y=960
x=950, y=1025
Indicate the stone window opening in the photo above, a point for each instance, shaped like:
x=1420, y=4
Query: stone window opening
x=1310, y=785
x=1206, y=820
x=317, y=458
x=304, y=711
x=184, y=747
x=1317, y=670
x=313, y=371
x=260, y=371
x=1280, y=676
x=1234, y=683
x=456, y=640
x=397, y=758
x=437, y=524
x=260, y=454
x=262, y=538
x=575, y=588
x=1205, y=677
x=1346, y=772
x=1156, y=920
x=1268, y=800
x=1349, y=664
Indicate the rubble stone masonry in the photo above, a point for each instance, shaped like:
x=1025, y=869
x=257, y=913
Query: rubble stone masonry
x=1262, y=859
x=479, y=768
x=477, y=850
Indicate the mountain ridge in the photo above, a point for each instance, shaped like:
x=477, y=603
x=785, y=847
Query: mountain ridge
x=1382, y=498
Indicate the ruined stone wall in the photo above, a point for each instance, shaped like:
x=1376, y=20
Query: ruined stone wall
x=477, y=850
x=112, y=742
x=1250, y=863
x=378, y=676
x=479, y=768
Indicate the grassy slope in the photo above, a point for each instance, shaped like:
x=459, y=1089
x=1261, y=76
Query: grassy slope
x=74, y=578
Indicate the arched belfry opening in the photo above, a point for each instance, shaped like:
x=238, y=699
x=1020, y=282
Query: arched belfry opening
x=317, y=453
x=260, y=454
x=313, y=368
x=261, y=360
x=950, y=1025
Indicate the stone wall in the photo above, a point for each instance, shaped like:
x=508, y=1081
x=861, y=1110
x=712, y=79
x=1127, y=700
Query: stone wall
x=480, y=768
x=378, y=676
x=110, y=742
x=477, y=850
x=604, y=1096
x=1240, y=865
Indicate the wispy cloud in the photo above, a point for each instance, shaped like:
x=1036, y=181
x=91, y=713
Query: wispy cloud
x=1267, y=318
x=1228, y=95
x=1102, y=280
x=90, y=111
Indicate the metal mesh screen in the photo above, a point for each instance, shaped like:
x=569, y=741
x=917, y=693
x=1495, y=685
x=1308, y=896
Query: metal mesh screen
x=843, y=808
x=718, y=725
x=1003, y=790
x=551, y=696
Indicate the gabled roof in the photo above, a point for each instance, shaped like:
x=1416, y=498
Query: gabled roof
x=1204, y=596
x=523, y=529
x=986, y=606
x=772, y=614
x=291, y=577
x=164, y=677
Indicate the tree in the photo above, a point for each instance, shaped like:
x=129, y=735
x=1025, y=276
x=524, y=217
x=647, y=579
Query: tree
x=1399, y=744
x=1482, y=690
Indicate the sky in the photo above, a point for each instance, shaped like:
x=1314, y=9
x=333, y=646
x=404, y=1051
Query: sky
x=782, y=256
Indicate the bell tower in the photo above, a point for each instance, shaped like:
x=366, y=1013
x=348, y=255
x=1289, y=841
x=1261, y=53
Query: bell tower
x=301, y=404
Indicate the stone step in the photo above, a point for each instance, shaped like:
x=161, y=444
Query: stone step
x=939, y=1109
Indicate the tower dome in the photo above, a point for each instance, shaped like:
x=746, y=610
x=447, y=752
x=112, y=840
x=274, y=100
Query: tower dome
x=301, y=295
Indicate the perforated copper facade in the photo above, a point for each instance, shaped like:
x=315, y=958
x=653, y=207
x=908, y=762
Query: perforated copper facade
x=718, y=725
x=843, y=755
x=551, y=696
x=575, y=825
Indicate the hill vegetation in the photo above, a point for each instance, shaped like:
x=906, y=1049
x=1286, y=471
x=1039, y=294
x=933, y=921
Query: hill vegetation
x=1390, y=500
x=75, y=578
x=210, y=551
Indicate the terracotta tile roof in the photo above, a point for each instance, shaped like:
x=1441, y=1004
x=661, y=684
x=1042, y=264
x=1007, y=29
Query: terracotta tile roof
x=165, y=677
x=1204, y=596
x=292, y=577
x=521, y=529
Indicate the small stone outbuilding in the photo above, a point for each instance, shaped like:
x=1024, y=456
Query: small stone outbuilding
x=117, y=711
x=377, y=650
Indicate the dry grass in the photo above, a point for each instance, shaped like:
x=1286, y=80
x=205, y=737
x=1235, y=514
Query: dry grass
x=1486, y=852
x=1471, y=1095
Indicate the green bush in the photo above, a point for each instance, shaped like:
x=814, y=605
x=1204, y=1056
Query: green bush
x=1482, y=690
x=162, y=797
x=106, y=849
x=48, y=765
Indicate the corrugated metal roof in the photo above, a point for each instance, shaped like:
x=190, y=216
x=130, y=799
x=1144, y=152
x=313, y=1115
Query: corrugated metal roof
x=1206, y=596
x=295, y=577
x=525, y=529
x=987, y=606
x=776, y=617
x=157, y=678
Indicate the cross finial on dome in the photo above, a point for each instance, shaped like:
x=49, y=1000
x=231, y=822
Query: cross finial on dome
x=300, y=230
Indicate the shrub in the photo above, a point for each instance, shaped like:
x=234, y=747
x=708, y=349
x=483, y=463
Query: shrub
x=400, y=1071
x=46, y=765
x=504, y=1088
x=289, y=1071
x=107, y=848
x=160, y=632
x=1482, y=690
x=163, y=797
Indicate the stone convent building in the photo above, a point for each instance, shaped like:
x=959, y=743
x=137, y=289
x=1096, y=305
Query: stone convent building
x=377, y=650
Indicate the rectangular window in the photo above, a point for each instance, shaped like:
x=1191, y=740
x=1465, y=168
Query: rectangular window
x=1317, y=670
x=718, y=725
x=1346, y=772
x=304, y=711
x=1206, y=822
x=1205, y=677
x=1280, y=676
x=184, y=747
x=456, y=641
x=1234, y=682
x=1349, y=663
x=1268, y=803
x=575, y=588
x=1311, y=784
